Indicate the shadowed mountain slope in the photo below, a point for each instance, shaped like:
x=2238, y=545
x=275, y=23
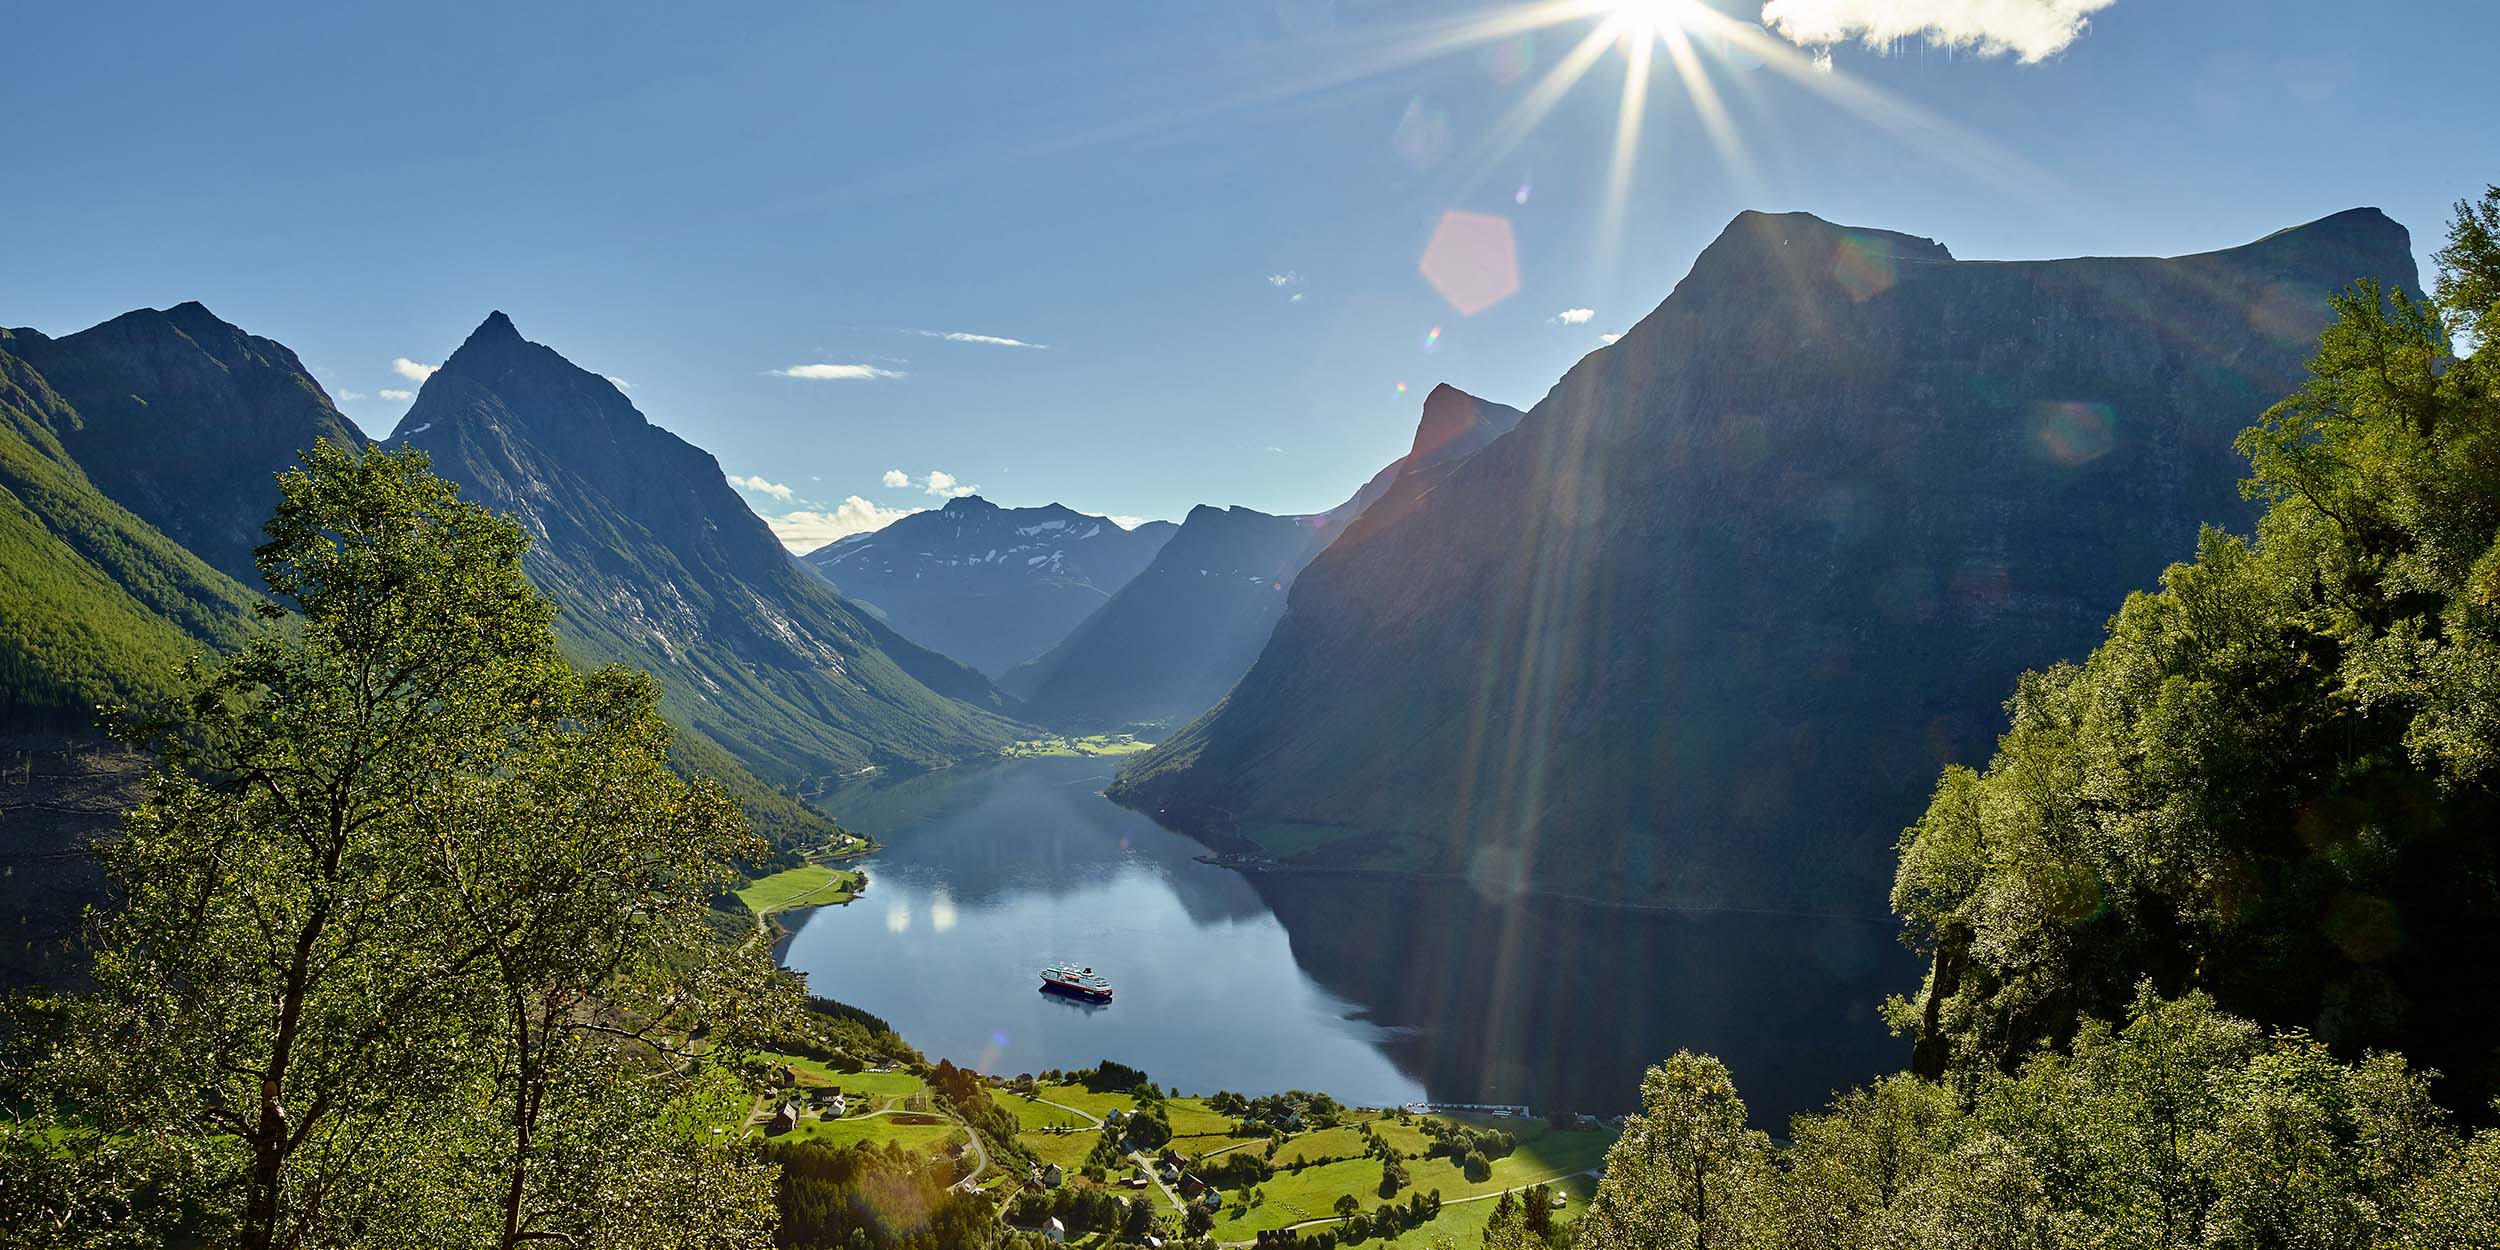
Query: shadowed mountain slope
x=656, y=562
x=1177, y=637
x=186, y=421
x=1701, y=629
x=990, y=586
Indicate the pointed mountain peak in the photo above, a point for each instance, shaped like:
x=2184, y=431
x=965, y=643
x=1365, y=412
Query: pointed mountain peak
x=496, y=329
x=1459, y=423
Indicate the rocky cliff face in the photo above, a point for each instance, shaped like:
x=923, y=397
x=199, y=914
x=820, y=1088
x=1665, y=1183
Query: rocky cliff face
x=186, y=421
x=657, y=563
x=1701, y=630
x=1177, y=637
x=990, y=586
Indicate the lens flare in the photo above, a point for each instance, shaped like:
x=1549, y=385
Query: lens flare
x=1432, y=338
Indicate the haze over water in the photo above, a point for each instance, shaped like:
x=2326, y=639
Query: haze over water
x=1376, y=990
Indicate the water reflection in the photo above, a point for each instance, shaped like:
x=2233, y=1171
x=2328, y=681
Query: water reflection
x=1376, y=989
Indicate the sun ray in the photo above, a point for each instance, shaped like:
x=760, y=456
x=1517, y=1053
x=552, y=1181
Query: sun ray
x=1628, y=114
x=1521, y=118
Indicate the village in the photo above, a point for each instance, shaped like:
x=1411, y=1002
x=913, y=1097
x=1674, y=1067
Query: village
x=1102, y=1156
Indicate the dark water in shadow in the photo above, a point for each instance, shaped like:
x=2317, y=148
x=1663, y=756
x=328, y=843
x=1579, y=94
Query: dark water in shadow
x=1376, y=989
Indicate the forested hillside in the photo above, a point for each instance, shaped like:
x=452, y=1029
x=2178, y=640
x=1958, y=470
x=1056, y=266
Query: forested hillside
x=2275, y=781
x=96, y=606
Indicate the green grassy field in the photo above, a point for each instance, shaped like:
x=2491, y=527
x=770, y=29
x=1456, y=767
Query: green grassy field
x=1311, y=1193
x=807, y=885
x=1034, y=1115
x=1191, y=1117
x=1463, y=1224
x=1094, y=745
x=923, y=1138
x=1085, y=1099
x=1068, y=1150
x=882, y=1086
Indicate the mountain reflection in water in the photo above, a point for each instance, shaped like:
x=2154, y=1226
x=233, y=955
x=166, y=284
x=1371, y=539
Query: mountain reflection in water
x=1375, y=989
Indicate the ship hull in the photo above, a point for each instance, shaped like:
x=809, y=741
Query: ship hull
x=1076, y=991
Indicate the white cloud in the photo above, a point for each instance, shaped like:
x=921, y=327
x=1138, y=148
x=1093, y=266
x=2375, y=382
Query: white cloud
x=619, y=383
x=991, y=340
x=896, y=477
x=837, y=373
x=388, y=393
x=2028, y=30
x=348, y=397
x=757, y=484
x=1288, y=278
x=1294, y=298
x=1575, y=316
x=1127, y=522
x=1274, y=451
x=943, y=485
x=808, y=529
x=412, y=370
x=1607, y=340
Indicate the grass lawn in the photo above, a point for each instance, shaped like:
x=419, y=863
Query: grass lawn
x=1191, y=1117
x=1202, y=1147
x=1327, y=1143
x=874, y=1084
x=1463, y=1223
x=1406, y=1137
x=807, y=885
x=1085, y=1099
x=1093, y=745
x=1033, y=1114
x=921, y=1138
x=1068, y=1150
x=1311, y=1193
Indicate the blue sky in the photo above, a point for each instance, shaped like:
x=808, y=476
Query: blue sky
x=1209, y=216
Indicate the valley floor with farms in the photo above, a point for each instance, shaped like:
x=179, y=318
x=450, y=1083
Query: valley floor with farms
x=1285, y=1162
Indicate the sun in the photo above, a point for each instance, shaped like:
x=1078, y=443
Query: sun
x=1651, y=17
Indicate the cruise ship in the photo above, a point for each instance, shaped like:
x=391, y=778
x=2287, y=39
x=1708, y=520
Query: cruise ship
x=1081, y=982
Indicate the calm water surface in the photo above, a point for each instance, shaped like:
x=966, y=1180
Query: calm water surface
x=1374, y=989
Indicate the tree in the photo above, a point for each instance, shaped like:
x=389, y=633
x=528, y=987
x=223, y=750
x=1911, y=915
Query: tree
x=1686, y=1172
x=2273, y=780
x=397, y=862
x=1347, y=1205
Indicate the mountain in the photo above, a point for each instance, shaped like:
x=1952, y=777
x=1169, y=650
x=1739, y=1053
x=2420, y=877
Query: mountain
x=1700, y=630
x=990, y=586
x=656, y=562
x=96, y=605
x=186, y=420
x=1177, y=637
x=1174, y=638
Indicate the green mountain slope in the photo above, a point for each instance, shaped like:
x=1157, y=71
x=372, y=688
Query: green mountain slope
x=655, y=562
x=1695, y=630
x=186, y=420
x=96, y=606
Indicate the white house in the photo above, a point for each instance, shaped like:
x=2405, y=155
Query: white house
x=1055, y=1230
